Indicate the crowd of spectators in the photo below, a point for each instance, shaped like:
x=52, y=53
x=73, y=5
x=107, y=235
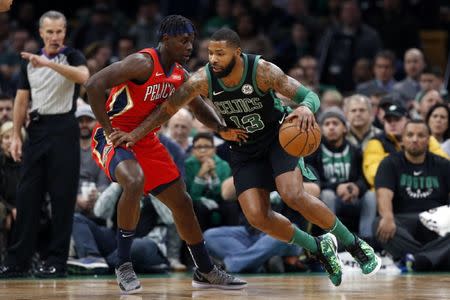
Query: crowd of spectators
x=365, y=59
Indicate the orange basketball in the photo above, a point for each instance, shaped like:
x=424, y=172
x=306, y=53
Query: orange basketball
x=298, y=143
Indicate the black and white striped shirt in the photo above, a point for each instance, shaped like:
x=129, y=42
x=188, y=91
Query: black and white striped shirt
x=51, y=92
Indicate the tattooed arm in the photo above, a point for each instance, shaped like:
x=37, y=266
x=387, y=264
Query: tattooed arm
x=206, y=114
x=196, y=85
x=271, y=77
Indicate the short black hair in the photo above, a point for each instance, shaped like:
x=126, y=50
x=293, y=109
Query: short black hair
x=128, y=37
x=203, y=135
x=175, y=25
x=228, y=35
x=386, y=54
x=434, y=70
x=6, y=97
x=418, y=121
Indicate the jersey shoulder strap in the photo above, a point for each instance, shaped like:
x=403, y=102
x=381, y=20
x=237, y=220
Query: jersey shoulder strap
x=253, y=61
x=213, y=84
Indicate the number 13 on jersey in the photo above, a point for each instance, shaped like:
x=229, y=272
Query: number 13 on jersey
x=250, y=123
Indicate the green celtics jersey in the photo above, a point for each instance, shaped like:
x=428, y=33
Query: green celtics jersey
x=245, y=106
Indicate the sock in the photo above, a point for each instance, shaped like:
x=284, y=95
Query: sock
x=304, y=240
x=342, y=233
x=124, y=240
x=200, y=256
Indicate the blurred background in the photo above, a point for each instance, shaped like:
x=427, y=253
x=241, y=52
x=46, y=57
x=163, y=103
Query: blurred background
x=375, y=52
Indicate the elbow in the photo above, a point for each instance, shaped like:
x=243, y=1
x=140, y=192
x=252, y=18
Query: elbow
x=90, y=84
x=83, y=78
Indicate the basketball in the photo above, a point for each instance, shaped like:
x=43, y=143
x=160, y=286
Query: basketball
x=298, y=143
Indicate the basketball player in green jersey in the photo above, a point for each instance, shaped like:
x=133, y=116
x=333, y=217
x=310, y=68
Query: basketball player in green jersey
x=242, y=88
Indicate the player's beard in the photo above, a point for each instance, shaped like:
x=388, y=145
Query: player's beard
x=227, y=70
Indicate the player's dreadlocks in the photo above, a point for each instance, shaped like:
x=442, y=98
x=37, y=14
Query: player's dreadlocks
x=175, y=25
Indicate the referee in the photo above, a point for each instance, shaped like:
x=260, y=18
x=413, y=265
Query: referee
x=51, y=154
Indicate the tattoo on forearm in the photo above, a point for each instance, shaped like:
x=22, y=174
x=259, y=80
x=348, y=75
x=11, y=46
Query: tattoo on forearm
x=196, y=85
x=181, y=97
x=205, y=113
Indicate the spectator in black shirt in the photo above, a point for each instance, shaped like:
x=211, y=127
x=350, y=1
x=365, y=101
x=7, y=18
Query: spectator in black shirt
x=343, y=44
x=408, y=183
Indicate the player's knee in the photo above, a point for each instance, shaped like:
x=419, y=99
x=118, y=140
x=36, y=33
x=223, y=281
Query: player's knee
x=293, y=196
x=182, y=205
x=134, y=183
x=258, y=220
x=186, y=202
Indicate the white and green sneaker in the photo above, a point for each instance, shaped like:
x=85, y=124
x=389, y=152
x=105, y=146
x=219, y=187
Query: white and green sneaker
x=328, y=256
x=368, y=261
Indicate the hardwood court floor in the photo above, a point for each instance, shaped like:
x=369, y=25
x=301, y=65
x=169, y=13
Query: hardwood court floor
x=418, y=286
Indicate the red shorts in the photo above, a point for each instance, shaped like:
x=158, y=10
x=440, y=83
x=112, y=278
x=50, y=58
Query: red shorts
x=152, y=156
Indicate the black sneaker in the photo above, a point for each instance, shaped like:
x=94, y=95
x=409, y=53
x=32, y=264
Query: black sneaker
x=217, y=279
x=13, y=272
x=50, y=271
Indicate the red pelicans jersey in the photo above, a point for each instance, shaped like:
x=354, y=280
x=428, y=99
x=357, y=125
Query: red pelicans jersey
x=129, y=103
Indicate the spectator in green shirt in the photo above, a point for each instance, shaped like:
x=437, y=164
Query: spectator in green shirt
x=205, y=172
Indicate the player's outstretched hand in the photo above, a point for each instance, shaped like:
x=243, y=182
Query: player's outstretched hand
x=233, y=134
x=302, y=117
x=119, y=137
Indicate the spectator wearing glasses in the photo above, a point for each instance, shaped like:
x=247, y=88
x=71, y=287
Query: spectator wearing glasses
x=205, y=172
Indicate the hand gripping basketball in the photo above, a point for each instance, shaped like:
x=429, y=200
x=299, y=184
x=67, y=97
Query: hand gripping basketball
x=296, y=142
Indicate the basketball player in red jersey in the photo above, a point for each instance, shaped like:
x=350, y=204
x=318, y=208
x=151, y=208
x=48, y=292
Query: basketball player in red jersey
x=242, y=88
x=140, y=83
